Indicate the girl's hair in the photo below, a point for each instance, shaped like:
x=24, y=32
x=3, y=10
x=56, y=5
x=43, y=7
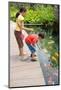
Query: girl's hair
x=17, y=14
x=20, y=11
x=42, y=35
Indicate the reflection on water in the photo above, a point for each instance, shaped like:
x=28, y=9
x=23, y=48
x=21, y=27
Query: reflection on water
x=50, y=73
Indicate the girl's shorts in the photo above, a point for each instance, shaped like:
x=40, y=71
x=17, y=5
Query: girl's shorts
x=19, y=38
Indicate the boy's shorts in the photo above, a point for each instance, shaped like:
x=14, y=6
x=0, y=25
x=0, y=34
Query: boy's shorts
x=32, y=48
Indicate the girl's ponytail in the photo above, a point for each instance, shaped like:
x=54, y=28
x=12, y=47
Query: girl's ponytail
x=20, y=11
x=17, y=14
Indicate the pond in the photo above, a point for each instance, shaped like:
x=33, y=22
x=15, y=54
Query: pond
x=50, y=42
x=51, y=45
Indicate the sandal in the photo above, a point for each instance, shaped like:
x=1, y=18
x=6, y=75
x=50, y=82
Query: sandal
x=31, y=55
x=33, y=60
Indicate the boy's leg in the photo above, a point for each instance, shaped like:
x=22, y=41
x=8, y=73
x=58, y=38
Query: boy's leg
x=32, y=49
x=33, y=57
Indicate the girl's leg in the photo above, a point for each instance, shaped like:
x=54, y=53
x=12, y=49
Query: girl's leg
x=21, y=47
x=20, y=51
x=19, y=41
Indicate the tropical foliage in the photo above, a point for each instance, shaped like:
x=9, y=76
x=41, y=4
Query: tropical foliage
x=47, y=17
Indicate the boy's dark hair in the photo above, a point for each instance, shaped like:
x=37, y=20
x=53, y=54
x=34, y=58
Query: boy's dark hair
x=20, y=11
x=41, y=35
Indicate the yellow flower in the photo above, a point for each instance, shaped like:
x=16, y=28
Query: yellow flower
x=50, y=37
x=56, y=54
x=51, y=42
x=53, y=58
x=50, y=47
x=45, y=50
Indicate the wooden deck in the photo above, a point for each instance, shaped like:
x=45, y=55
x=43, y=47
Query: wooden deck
x=23, y=72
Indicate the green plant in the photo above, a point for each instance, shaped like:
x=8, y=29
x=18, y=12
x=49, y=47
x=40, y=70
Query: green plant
x=35, y=13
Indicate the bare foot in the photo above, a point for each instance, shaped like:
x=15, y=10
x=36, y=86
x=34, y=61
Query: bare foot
x=24, y=54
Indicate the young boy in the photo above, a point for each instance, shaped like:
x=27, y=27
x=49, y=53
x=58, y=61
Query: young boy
x=31, y=41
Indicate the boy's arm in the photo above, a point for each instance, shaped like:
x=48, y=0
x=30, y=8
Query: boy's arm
x=39, y=45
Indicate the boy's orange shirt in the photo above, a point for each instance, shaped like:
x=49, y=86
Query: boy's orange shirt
x=32, y=39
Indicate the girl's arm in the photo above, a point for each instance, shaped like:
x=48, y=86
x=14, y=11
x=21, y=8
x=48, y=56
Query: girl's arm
x=21, y=25
x=28, y=29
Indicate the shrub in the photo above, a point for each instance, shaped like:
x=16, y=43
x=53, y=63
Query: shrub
x=37, y=14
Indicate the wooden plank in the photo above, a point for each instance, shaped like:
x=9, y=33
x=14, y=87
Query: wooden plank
x=23, y=72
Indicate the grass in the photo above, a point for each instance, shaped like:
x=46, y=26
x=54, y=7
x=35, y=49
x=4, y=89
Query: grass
x=52, y=48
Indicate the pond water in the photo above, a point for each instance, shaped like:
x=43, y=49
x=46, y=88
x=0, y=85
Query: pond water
x=51, y=74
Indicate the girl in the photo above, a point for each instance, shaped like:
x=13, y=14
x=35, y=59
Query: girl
x=19, y=27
